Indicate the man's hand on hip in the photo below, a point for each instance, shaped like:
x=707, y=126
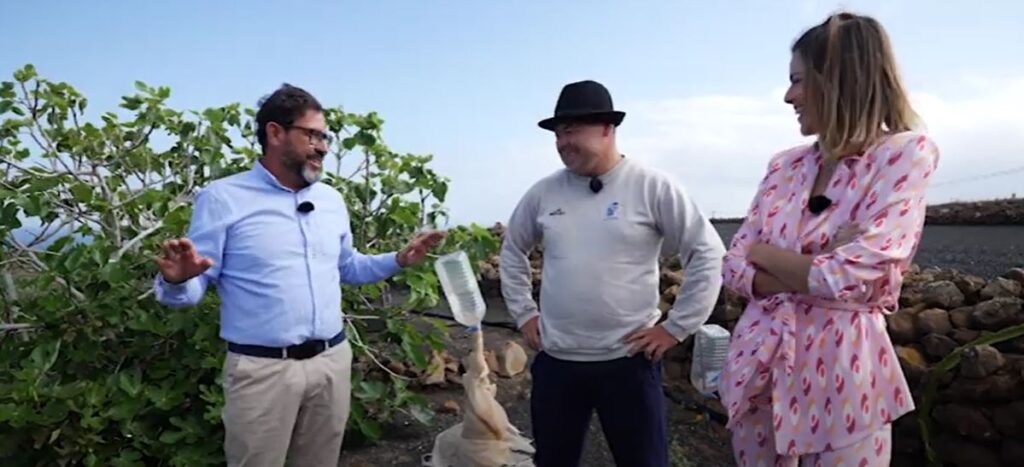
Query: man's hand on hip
x=653, y=342
x=181, y=261
x=531, y=333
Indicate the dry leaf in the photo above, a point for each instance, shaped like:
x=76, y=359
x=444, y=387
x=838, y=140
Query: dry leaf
x=449, y=407
x=435, y=371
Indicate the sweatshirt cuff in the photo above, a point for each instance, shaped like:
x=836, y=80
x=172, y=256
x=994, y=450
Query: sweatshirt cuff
x=522, y=320
x=675, y=330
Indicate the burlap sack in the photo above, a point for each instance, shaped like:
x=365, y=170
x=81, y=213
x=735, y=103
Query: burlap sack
x=485, y=438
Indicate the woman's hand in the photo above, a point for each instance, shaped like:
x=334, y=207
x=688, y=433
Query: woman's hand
x=789, y=267
x=766, y=285
x=758, y=253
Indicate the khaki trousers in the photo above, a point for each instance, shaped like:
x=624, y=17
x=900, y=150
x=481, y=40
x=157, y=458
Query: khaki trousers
x=284, y=409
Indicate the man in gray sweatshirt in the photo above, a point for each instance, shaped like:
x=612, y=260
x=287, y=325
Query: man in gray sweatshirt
x=604, y=222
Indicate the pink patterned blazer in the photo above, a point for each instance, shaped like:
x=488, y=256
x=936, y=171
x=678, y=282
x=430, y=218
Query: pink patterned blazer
x=822, y=362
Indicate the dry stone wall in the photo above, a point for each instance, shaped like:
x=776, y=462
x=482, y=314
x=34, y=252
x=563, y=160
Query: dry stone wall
x=977, y=415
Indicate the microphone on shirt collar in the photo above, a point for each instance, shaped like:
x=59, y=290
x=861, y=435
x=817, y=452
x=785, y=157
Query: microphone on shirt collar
x=305, y=206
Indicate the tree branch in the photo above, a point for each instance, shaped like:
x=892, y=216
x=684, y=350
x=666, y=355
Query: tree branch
x=369, y=351
x=115, y=228
x=20, y=168
x=362, y=220
x=138, y=238
x=10, y=292
x=74, y=118
x=80, y=215
x=74, y=211
x=48, y=146
x=142, y=140
x=140, y=192
x=145, y=294
x=41, y=266
x=45, y=234
x=186, y=151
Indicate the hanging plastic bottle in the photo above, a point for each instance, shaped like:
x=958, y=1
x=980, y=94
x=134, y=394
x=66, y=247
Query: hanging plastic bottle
x=461, y=289
x=710, y=350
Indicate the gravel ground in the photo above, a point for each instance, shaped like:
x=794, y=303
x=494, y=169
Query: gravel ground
x=986, y=251
x=695, y=440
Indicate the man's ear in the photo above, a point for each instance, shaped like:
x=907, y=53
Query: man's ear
x=274, y=131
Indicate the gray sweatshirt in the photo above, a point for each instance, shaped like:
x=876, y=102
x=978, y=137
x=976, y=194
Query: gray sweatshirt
x=601, y=253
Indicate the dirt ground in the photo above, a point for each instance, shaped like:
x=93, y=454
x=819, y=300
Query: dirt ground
x=696, y=439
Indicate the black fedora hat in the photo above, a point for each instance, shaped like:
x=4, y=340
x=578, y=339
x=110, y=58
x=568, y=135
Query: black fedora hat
x=583, y=101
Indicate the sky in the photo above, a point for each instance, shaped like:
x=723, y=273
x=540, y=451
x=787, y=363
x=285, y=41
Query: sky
x=701, y=82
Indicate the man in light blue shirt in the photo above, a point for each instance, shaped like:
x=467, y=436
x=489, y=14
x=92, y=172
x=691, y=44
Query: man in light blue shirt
x=277, y=245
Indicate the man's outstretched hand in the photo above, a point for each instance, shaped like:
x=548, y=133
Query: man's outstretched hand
x=419, y=246
x=180, y=261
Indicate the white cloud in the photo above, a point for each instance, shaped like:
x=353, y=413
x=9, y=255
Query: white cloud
x=486, y=185
x=978, y=135
x=718, y=147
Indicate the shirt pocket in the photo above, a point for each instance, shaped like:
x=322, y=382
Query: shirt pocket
x=329, y=231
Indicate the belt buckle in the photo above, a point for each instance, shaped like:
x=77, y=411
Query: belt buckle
x=306, y=350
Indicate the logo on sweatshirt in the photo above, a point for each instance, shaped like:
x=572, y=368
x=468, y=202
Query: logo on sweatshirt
x=612, y=211
x=557, y=212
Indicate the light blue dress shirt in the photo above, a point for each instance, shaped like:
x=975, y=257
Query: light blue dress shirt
x=278, y=271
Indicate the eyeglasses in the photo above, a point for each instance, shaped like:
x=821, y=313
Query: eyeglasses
x=314, y=135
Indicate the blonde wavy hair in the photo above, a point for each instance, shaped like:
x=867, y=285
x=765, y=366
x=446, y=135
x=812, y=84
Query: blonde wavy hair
x=852, y=84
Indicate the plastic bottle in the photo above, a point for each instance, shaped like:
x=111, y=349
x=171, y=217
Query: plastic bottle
x=461, y=289
x=710, y=351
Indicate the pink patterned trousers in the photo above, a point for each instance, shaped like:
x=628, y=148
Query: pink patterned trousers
x=753, y=445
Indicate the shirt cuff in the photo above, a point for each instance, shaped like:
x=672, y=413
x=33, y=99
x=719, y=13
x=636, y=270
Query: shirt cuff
x=745, y=282
x=391, y=263
x=169, y=287
x=827, y=280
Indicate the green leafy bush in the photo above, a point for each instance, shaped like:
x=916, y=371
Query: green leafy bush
x=107, y=376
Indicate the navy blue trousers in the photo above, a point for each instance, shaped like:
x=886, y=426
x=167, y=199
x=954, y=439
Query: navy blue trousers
x=628, y=398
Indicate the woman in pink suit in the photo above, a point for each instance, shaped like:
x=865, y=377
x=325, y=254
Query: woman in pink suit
x=812, y=377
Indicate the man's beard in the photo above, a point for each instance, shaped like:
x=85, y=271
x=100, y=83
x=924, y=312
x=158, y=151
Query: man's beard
x=575, y=158
x=311, y=175
x=299, y=163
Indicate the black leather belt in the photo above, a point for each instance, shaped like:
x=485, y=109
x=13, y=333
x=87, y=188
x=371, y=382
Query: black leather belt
x=308, y=349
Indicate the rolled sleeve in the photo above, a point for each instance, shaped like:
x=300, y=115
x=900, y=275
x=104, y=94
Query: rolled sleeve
x=738, y=273
x=208, y=232
x=896, y=222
